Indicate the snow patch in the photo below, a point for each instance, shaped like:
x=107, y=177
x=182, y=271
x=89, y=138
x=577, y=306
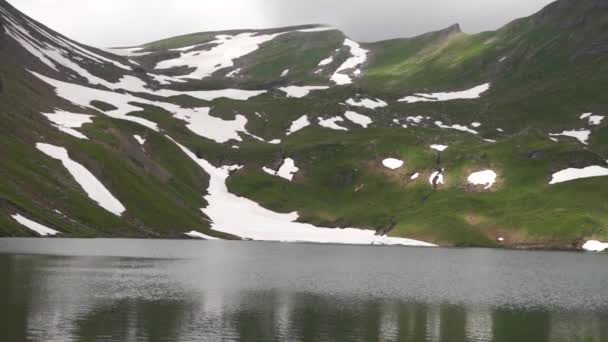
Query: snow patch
x=468, y=94
x=595, y=120
x=456, y=127
x=198, y=235
x=367, y=103
x=595, y=246
x=332, y=123
x=326, y=61
x=439, y=148
x=573, y=174
x=415, y=176
x=128, y=52
x=139, y=139
x=66, y=122
x=300, y=91
x=392, y=163
x=358, y=57
x=36, y=227
x=93, y=187
x=257, y=223
x=486, y=178
x=438, y=175
x=581, y=135
x=298, y=124
x=475, y=124
x=285, y=73
x=359, y=119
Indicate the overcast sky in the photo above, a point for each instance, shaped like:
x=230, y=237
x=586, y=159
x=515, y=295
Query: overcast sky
x=132, y=22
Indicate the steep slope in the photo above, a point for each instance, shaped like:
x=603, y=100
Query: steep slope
x=488, y=139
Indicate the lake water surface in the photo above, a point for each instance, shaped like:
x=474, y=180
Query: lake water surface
x=144, y=290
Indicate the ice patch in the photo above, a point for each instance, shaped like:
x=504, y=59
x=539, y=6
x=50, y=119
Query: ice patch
x=367, y=103
x=595, y=246
x=573, y=174
x=486, y=178
x=392, y=163
x=456, y=127
x=93, y=187
x=198, y=235
x=358, y=57
x=257, y=223
x=36, y=227
x=359, y=119
x=472, y=93
x=332, y=123
x=66, y=122
x=439, y=148
x=298, y=124
x=300, y=91
x=582, y=135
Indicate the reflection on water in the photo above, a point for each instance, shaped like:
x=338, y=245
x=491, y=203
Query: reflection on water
x=80, y=298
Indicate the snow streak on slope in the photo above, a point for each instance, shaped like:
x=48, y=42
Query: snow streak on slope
x=93, y=187
x=66, y=122
x=257, y=223
x=36, y=227
x=358, y=57
x=332, y=123
x=198, y=235
x=298, y=124
x=367, y=103
x=456, y=127
x=472, y=93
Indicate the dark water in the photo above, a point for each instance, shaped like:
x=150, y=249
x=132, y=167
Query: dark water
x=134, y=290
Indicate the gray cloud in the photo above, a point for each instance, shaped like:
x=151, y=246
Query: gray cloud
x=131, y=22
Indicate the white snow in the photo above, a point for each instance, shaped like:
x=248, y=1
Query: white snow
x=489, y=140
x=128, y=52
x=36, y=227
x=210, y=95
x=257, y=223
x=439, y=148
x=500, y=129
x=595, y=120
x=486, y=178
x=300, y=91
x=359, y=119
x=367, y=103
x=226, y=49
x=581, y=135
x=392, y=163
x=456, y=127
x=416, y=119
x=475, y=124
x=233, y=73
x=139, y=139
x=415, y=176
x=502, y=59
x=217, y=129
x=332, y=123
x=468, y=94
x=595, y=246
x=358, y=57
x=285, y=73
x=165, y=80
x=66, y=122
x=93, y=187
x=317, y=29
x=198, y=235
x=326, y=61
x=439, y=175
x=288, y=169
x=573, y=173
x=298, y=124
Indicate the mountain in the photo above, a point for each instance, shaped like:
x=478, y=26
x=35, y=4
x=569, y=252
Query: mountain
x=491, y=139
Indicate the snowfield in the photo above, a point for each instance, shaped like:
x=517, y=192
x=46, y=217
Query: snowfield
x=66, y=122
x=257, y=223
x=393, y=163
x=332, y=123
x=486, y=178
x=359, y=119
x=367, y=103
x=573, y=174
x=473, y=93
x=34, y=226
x=93, y=187
x=582, y=135
x=300, y=91
x=298, y=124
x=358, y=58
